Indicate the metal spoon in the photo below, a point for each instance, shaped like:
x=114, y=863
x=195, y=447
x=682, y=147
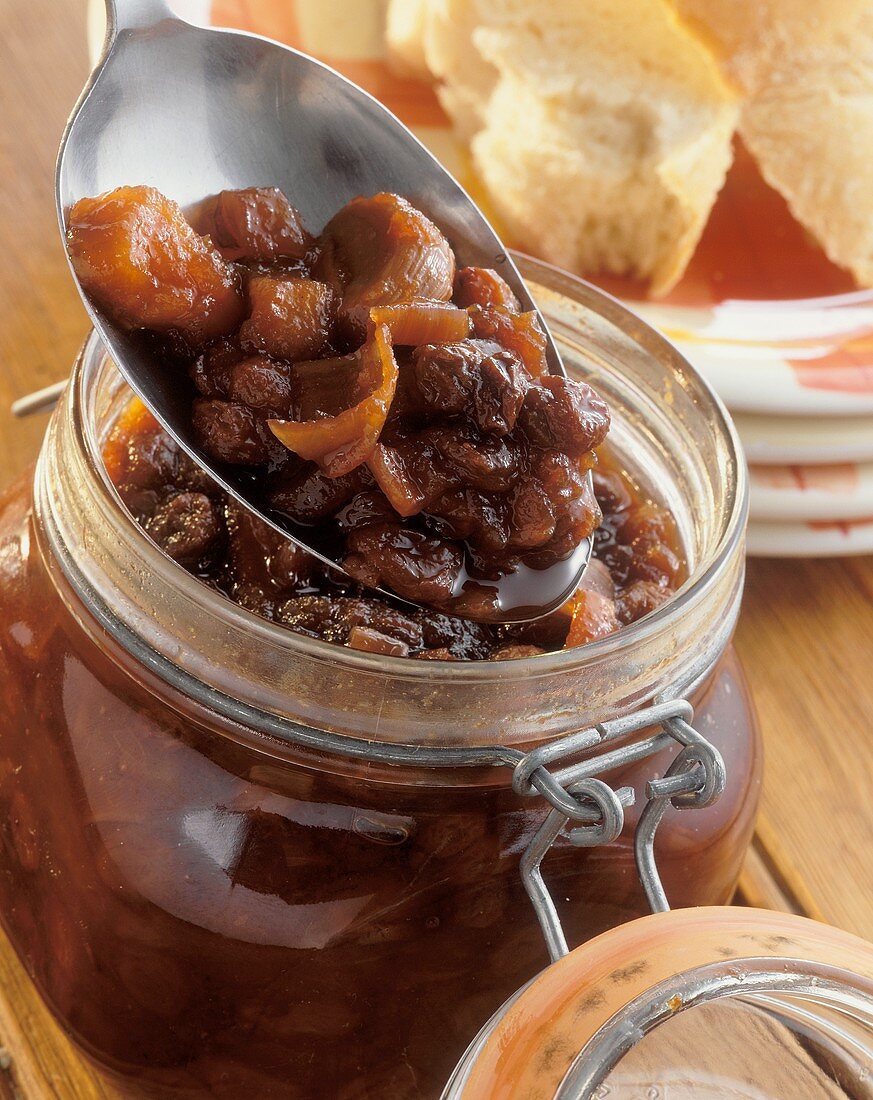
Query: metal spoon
x=193, y=111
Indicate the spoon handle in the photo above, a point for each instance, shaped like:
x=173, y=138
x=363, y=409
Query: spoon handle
x=40, y=401
x=122, y=15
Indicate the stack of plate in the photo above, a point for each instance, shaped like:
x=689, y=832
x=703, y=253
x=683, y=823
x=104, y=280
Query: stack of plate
x=780, y=333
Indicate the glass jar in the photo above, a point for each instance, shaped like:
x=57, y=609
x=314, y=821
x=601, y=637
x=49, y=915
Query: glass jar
x=238, y=860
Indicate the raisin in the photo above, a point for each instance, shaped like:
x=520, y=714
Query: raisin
x=611, y=491
x=364, y=509
x=532, y=518
x=195, y=479
x=186, y=527
x=255, y=223
x=474, y=377
x=441, y=654
x=483, y=463
x=475, y=517
x=560, y=414
x=210, y=371
x=416, y=566
x=307, y=495
x=261, y=383
x=260, y=557
x=230, y=432
x=462, y=638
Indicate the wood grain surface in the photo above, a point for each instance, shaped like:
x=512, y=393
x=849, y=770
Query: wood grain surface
x=805, y=637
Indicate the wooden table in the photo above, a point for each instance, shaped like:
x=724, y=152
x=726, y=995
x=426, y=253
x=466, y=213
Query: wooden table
x=806, y=635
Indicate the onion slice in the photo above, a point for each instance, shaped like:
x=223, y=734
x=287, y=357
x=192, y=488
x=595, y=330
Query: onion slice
x=339, y=443
x=423, y=322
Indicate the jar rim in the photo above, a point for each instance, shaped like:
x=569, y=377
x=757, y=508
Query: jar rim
x=638, y=975
x=703, y=576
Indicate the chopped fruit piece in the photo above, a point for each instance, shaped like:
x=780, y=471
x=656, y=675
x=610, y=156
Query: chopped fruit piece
x=379, y=251
x=260, y=557
x=371, y=641
x=515, y=652
x=139, y=259
x=396, y=480
x=593, y=618
x=341, y=440
x=518, y=332
x=482, y=286
x=257, y=223
x=138, y=453
x=415, y=323
x=597, y=579
x=290, y=318
x=639, y=599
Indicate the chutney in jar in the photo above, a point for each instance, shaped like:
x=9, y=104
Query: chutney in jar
x=211, y=908
x=396, y=413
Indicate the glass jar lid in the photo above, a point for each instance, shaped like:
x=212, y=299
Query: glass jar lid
x=710, y=1004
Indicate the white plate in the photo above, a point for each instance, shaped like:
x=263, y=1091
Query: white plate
x=811, y=357
x=806, y=439
x=805, y=540
x=836, y=492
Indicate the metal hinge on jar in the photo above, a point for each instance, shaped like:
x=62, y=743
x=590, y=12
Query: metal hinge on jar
x=591, y=812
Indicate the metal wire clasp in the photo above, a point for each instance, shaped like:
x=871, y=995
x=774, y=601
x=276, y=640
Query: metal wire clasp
x=696, y=778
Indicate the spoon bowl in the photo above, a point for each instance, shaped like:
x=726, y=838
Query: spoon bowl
x=194, y=111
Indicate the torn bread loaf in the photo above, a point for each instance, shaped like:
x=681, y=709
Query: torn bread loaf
x=602, y=131
x=750, y=37
x=809, y=125
x=404, y=36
